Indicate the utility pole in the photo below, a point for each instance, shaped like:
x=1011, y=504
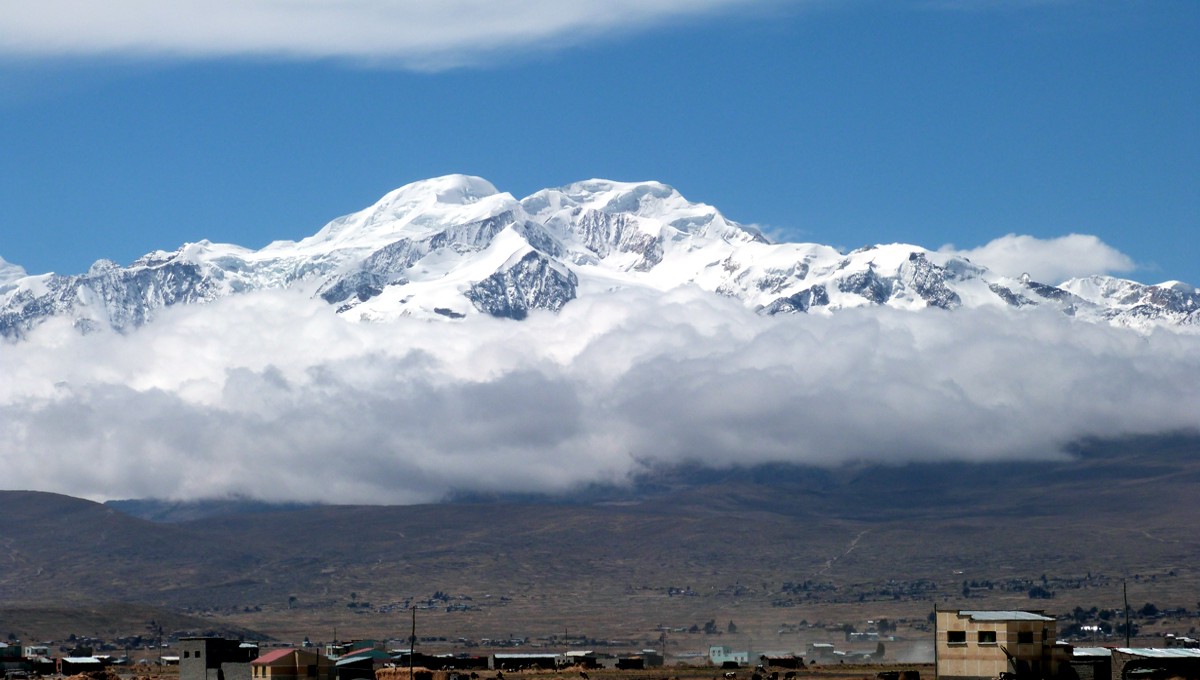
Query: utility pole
x=412, y=641
x=935, y=640
x=1125, y=590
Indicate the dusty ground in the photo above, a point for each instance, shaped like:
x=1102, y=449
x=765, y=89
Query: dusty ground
x=704, y=672
x=669, y=672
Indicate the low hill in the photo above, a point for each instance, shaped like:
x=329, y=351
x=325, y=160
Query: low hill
x=778, y=550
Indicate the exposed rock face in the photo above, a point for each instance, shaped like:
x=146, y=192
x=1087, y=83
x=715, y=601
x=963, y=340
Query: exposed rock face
x=929, y=281
x=803, y=301
x=107, y=296
x=534, y=282
x=605, y=233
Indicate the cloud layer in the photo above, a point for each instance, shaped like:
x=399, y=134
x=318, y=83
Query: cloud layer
x=1048, y=260
x=413, y=32
x=272, y=396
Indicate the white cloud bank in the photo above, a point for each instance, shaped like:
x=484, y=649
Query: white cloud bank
x=272, y=396
x=1048, y=260
x=417, y=33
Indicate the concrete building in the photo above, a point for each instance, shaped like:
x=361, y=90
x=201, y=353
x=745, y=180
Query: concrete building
x=982, y=645
x=583, y=658
x=12, y=662
x=652, y=658
x=1087, y=663
x=72, y=665
x=210, y=658
x=1173, y=640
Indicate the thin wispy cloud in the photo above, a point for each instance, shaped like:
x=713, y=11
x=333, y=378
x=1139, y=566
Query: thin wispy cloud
x=1048, y=260
x=10, y=271
x=414, y=33
x=268, y=395
x=988, y=5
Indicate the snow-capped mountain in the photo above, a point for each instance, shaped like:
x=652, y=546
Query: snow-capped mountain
x=454, y=246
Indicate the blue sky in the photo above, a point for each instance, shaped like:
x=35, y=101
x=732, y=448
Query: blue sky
x=133, y=125
x=845, y=123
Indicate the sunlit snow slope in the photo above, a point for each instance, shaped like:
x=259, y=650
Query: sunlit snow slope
x=452, y=247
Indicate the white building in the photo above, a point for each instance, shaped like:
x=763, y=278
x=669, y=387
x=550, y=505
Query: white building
x=720, y=655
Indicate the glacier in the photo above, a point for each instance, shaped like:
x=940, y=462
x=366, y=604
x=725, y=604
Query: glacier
x=452, y=247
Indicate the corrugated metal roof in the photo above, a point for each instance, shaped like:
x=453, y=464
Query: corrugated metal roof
x=361, y=654
x=526, y=656
x=1091, y=651
x=360, y=651
x=1001, y=615
x=1161, y=652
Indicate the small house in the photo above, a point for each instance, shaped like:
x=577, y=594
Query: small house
x=292, y=664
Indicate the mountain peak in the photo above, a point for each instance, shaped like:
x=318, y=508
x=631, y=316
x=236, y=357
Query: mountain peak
x=1179, y=286
x=646, y=199
x=456, y=189
x=442, y=192
x=653, y=205
x=413, y=209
